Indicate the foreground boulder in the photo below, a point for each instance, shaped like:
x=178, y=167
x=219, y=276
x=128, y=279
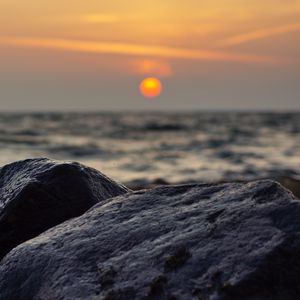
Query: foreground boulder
x=37, y=194
x=226, y=241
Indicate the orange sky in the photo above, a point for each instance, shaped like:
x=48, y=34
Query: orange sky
x=122, y=41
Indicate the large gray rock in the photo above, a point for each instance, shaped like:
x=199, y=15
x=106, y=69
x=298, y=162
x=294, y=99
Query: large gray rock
x=38, y=194
x=226, y=241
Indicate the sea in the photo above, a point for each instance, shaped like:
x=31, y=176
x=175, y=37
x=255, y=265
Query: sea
x=140, y=148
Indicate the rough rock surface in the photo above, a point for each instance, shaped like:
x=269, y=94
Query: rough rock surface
x=38, y=194
x=226, y=241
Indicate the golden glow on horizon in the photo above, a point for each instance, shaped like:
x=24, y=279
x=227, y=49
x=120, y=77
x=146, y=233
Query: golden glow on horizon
x=150, y=87
x=156, y=67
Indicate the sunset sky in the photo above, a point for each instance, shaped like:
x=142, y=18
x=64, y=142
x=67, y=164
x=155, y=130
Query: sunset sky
x=92, y=55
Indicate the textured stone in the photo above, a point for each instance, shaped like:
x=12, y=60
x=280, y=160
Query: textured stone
x=225, y=241
x=37, y=194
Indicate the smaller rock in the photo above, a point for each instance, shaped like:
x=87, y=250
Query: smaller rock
x=37, y=194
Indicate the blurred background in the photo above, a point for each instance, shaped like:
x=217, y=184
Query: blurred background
x=229, y=108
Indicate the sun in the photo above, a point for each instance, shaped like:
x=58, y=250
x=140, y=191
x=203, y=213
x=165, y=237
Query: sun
x=151, y=87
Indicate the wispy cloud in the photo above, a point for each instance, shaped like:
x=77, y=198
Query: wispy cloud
x=135, y=50
x=84, y=18
x=260, y=34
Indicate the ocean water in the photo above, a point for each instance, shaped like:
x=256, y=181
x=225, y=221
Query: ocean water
x=182, y=147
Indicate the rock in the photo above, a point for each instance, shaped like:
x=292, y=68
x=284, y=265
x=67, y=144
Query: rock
x=216, y=242
x=291, y=183
x=37, y=194
x=140, y=184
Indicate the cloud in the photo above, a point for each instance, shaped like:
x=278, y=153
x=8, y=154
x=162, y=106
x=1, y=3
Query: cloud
x=83, y=18
x=135, y=50
x=260, y=34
